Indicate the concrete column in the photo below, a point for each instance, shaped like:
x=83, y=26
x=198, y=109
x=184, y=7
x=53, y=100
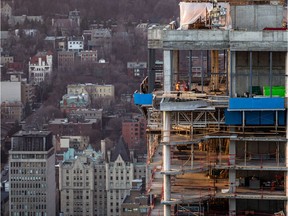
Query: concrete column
x=175, y=65
x=167, y=64
x=286, y=147
x=232, y=177
x=166, y=162
x=151, y=70
x=232, y=72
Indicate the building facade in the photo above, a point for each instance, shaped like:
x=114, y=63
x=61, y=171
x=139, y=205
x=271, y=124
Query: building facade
x=134, y=131
x=77, y=182
x=40, y=68
x=105, y=177
x=66, y=59
x=88, y=56
x=93, y=90
x=32, y=174
x=72, y=102
x=75, y=44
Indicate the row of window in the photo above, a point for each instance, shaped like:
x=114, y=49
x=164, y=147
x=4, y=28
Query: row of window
x=28, y=164
x=27, y=185
x=26, y=213
x=24, y=192
x=27, y=171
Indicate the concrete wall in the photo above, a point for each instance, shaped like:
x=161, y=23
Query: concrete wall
x=10, y=91
x=256, y=17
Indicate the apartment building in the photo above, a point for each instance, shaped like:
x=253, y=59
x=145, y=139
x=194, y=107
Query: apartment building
x=134, y=131
x=71, y=102
x=76, y=182
x=40, y=67
x=32, y=174
x=105, y=177
x=88, y=56
x=66, y=59
x=93, y=90
x=220, y=150
x=75, y=44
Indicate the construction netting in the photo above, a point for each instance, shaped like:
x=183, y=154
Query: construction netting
x=191, y=12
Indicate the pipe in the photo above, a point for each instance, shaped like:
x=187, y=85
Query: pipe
x=270, y=73
x=250, y=87
x=166, y=162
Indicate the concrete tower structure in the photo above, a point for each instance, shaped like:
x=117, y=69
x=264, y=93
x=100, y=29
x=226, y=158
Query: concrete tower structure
x=223, y=142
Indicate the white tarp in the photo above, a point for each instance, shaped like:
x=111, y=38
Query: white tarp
x=191, y=12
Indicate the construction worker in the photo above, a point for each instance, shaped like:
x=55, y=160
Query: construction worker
x=177, y=87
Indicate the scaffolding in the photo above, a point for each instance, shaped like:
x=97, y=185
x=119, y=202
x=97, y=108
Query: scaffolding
x=224, y=140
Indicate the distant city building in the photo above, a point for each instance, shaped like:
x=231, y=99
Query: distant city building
x=75, y=44
x=13, y=20
x=137, y=203
x=93, y=90
x=137, y=69
x=65, y=27
x=4, y=35
x=12, y=104
x=79, y=127
x=134, y=131
x=15, y=66
x=98, y=39
x=11, y=111
x=104, y=177
x=14, y=89
x=75, y=16
x=26, y=32
x=66, y=59
x=88, y=56
x=120, y=172
x=75, y=142
x=88, y=113
x=72, y=102
x=40, y=67
x=77, y=182
x=32, y=174
x=6, y=10
x=55, y=42
x=6, y=59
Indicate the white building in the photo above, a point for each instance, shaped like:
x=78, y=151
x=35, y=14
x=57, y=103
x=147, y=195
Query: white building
x=40, y=68
x=75, y=44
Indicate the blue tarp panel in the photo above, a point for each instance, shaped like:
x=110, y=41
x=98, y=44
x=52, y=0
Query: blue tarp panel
x=233, y=118
x=267, y=118
x=142, y=99
x=252, y=118
x=281, y=118
x=256, y=104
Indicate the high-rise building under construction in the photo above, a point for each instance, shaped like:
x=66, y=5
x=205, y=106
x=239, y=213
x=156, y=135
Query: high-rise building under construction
x=217, y=142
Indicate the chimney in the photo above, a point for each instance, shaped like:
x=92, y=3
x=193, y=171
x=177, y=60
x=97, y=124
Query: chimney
x=103, y=148
x=132, y=156
x=108, y=155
